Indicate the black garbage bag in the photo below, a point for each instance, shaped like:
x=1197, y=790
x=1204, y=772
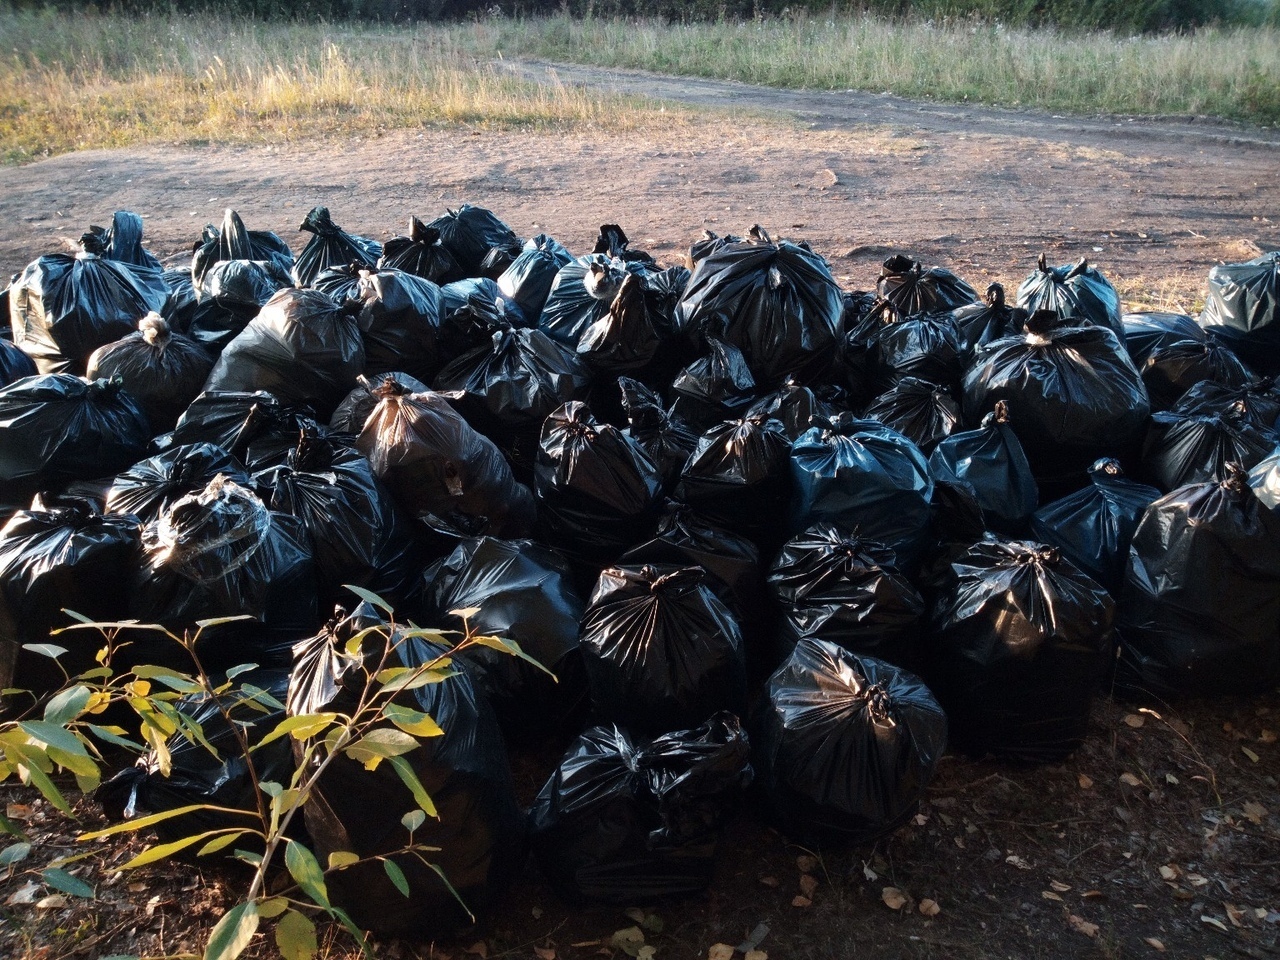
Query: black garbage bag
x=612, y=239
x=234, y=292
x=663, y=435
x=150, y=487
x=1020, y=642
x=529, y=279
x=714, y=388
x=162, y=370
x=844, y=746
x=1264, y=479
x=216, y=774
x=627, y=820
x=1074, y=397
x=663, y=290
x=1173, y=355
x=233, y=241
x=58, y=428
x=737, y=477
x=598, y=491
x=831, y=585
x=1181, y=449
x=523, y=592
x=400, y=324
x=61, y=554
x=479, y=830
x=254, y=427
x=1200, y=608
x=469, y=233
x=1243, y=306
x=660, y=649
x=581, y=294
x=221, y=553
x=352, y=412
x=981, y=323
x=358, y=535
x=14, y=364
x=64, y=307
x=420, y=253
x=925, y=345
x=854, y=363
x=1093, y=526
x=122, y=241
x=776, y=302
x=1077, y=292
x=922, y=411
x=624, y=339
x=341, y=283
x=1260, y=398
x=434, y=463
x=331, y=246
x=913, y=288
x=867, y=478
x=302, y=347
x=992, y=462
x=710, y=243
x=794, y=406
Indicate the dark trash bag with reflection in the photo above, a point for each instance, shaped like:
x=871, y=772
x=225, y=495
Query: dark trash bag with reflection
x=923, y=412
x=420, y=253
x=1021, y=639
x=1200, y=609
x=714, y=388
x=913, y=288
x=627, y=820
x=162, y=370
x=254, y=427
x=925, y=345
x=625, y=338
x=233, y=241
x=14, y=364
x=151, y=486
x=523, y=592
x=61, y=554
x=990, y=459
x=794, y=406
x=480, y=831
x=1243, y=306
x=844, y=746
x=400, y=324
x=58, y=428
x=363, y=399
x=200, y=776
x=1077, y=292
x=1265, y=481
x=1260, y=397
x=469, y=233
x=529, y=279
x=123, y=240
x=1173, y=355
x=1181, y=449
x=581, y=294
x=660, y=649
x=982, y=323
x=234, y=292
x=664, y=436
x=342, y=283
x=330, y=246
x=830, y=585
x=1093, y=526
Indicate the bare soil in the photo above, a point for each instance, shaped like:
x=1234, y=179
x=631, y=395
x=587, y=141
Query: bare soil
x=1160, y=836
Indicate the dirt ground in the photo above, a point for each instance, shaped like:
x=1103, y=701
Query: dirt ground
x=1160, y=837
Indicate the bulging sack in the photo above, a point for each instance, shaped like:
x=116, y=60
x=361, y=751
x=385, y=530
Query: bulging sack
x=1243, y=306
x=330, y=246
x=914, y=289
x=233, y=241
x=1078, y=293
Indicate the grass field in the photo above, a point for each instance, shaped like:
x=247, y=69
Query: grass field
x=87, y=81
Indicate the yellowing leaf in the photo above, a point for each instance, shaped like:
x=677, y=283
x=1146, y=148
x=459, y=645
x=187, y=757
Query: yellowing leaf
x=720, y=951
x=1250, y=754
x=930, y=908
x=342, y=858
x=1058, y=886
x=893, y=898
x=1080, y=925
x=1154, y=943
x=296, y=937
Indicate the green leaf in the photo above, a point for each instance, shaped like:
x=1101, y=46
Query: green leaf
x=11, y=828
x=413, y=820
x=271, y=788
x=67, y=705
x=162, y=850
x=395, y=679
x=81, y=764
x=272, y=908
x=342, y=858
x=306, y=871
x=46, y=786
x=380, y=744
x=413, y=722
x=222, y=842
x=368, y=596
x=302, y=726
x=242, y=668
x=258, y=695
x=108, y=735
x=296, y=937
x=503, y=645
x=410, y=779
x=233, y=932
x=51, y=650
x=397, y=877
x=14, y=853
x=153, y=818
x=77, y=617
x=61, y=880
x=150, y=672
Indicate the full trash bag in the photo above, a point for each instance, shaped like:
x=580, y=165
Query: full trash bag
x=922, y=411
x=1077, y=292
x=776, y=302
x=400, y=324
x=234, y=292
x=64, y=307
x=866, y=478
x=469, y=233
x=663, y=435
x=61, y=554
x=598, y=491
x=844, y=746
x=924, y=345
x=213, y=773
x=434, y=463
x=714, y=388
x=420, y=253
x=1264, y=479
x=581, y=294
x=529, y=279
x=220, y=553
x=1020, y=642
x=363, y=399
x=1243, y=306
x=58, y=428
x=994, y=319
x=1148, y=331
x=831, y=585
x=1073, y=396
x=624, y=339
x=342, y=282
x=1260, y=399
x=162, y=370
x=795, y=406
x=523, y=592
x=122, y=241
x=1181, y=449
x=330, y=246
x=991, y=461
x=627, y=820
x=358, y=534
x=14, y=364
x=479, y=830
x=1200, y=608
x=301, y=347
x=233, y=241
x=1093, y=526
x=913, y=289
x=1173, y=354
x=660, y=650
x=149, y=487
x=254, y=427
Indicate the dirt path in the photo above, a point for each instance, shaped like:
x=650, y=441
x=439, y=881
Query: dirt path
x=1154, y=203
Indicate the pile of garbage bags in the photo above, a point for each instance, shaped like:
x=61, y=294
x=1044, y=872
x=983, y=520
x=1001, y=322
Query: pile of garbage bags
x=761, y=542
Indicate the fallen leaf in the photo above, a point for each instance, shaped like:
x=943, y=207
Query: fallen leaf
x=1086, y=783
x=755, y=955
x=870, y=874
x=1196, y=880
x=1255, y=812
x=1129, y=780
x=720, y=951
x=1234, y=914
x=1154, y=943
x=1015, y=860
x=51, y=902
x=478, y=949
x=893, y=898
x=1089, y=894
x=1169, y=872
x=769, y=881
x=23, y=895
x=806, y=864
x=1267, y=736
x=629, y=940
x=1135, y=720
x=1250, y=754
x=1050, y=895
x=1170, y=778
x=920, y=819
x=1081, y=925
x=930, y=908
x=544, y=953
x=801, y=902
x=18, y=811
x=1215, y=923
x=1058, y=886
x=536, y=913
x=647, y=952
x=808, y=885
